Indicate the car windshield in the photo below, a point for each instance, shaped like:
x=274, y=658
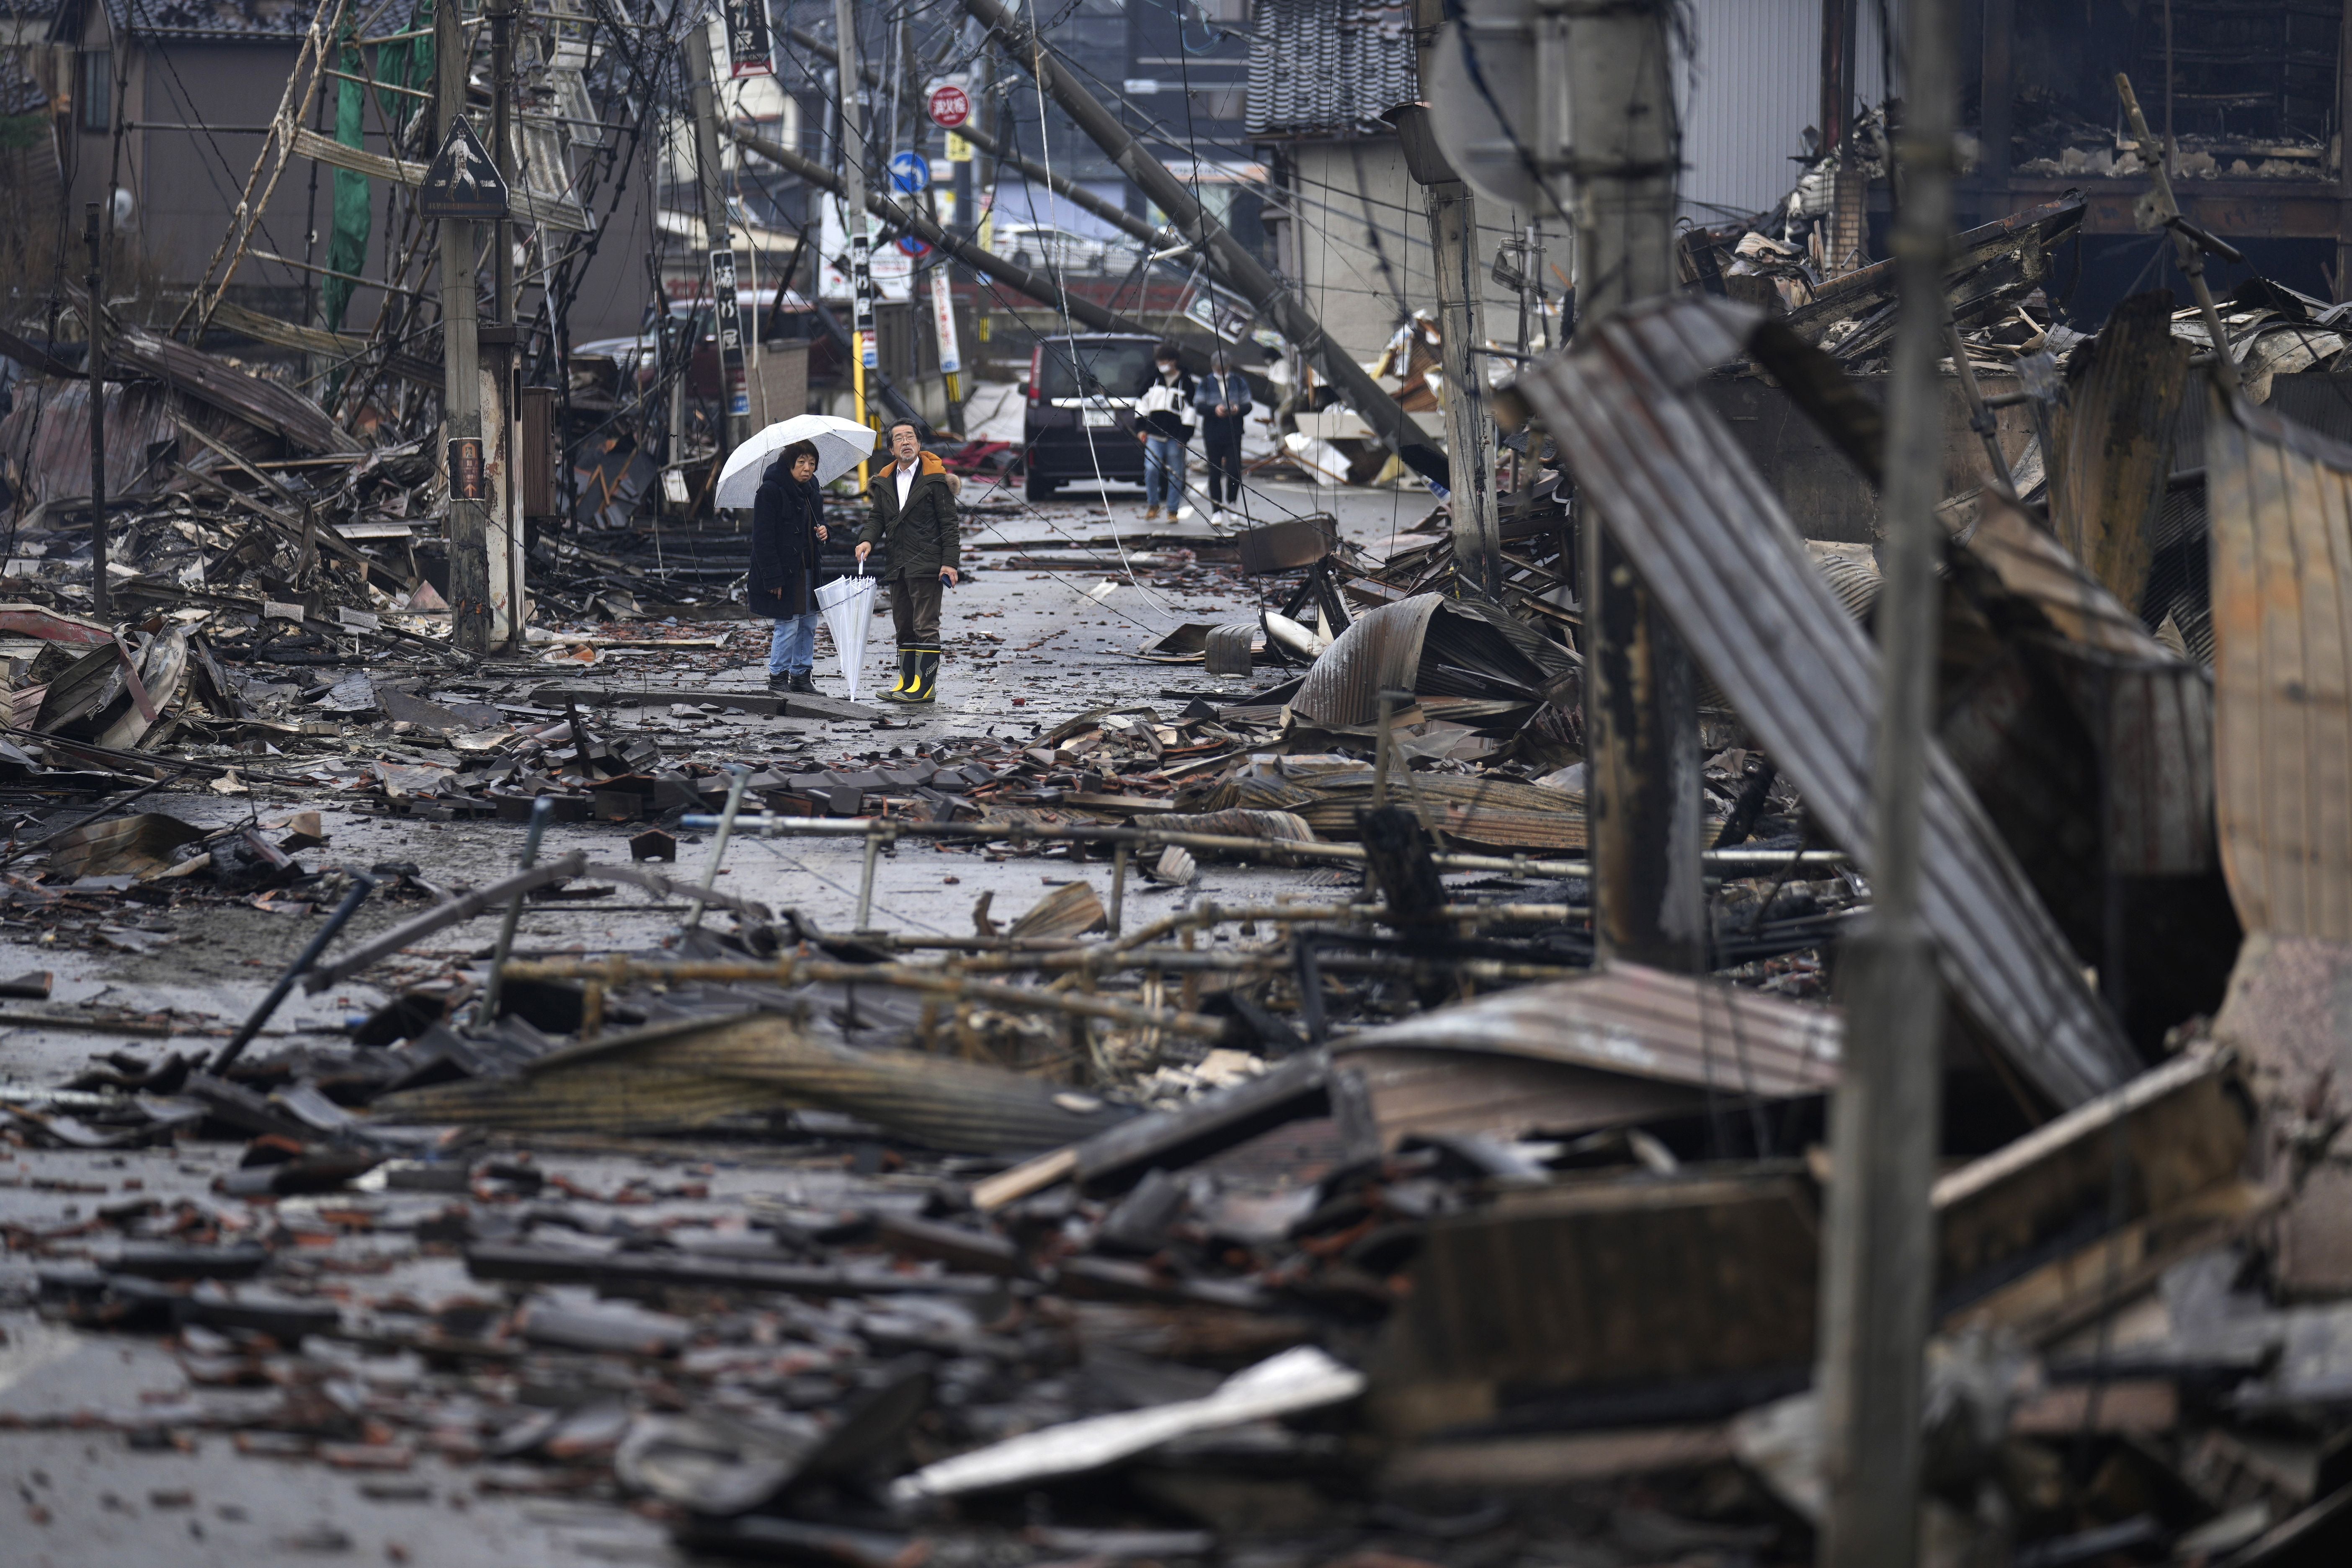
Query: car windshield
x=1112, y=368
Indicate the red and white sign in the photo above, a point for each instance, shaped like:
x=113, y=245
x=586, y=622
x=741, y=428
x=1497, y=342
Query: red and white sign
x=951, y=106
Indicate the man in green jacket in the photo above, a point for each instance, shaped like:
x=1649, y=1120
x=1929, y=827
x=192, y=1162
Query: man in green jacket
x=915, y=512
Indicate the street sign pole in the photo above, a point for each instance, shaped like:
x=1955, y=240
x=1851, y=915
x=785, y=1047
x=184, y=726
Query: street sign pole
x=853, y=185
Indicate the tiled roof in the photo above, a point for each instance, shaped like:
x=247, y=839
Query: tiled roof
x=258, y=21
x=1327, y=67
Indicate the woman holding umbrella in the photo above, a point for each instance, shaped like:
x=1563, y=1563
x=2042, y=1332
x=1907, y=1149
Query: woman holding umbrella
x=787, y=527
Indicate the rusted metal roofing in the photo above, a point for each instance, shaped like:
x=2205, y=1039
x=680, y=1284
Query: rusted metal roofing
x=279, y=409
x=1589, y=1052
x=1717, y=548
x=2280, y=497
x=2114, y=442
x=2150, y=711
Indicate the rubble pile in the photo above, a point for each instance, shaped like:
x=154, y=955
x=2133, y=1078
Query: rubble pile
x=1301, y=1174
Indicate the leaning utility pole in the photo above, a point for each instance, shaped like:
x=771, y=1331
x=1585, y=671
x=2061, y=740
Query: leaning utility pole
x=853, y=214
x=1878, y=1263
x=101, y=592
x=1242, y=270
x=461, y=393
x=1461, y=332
x=1158, y=236
x=1641, y=717
x=718, y=234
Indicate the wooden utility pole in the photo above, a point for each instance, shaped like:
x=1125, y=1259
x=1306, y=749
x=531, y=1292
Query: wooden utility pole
x=101, y=591
x=853, y=214
x=1641, y=715
x=735, y=411
x=1878, y=1267
x=461, y=395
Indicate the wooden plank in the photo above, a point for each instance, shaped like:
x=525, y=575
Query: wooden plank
x=1612, y=1282
x=782, y=704
x=1544, y=1464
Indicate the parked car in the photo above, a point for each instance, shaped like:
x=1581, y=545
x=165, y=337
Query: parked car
x=1078, y=415
x=1044, y=247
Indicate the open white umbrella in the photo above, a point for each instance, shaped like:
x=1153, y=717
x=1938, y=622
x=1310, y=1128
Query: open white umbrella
x=848, y=606
x=841, y=444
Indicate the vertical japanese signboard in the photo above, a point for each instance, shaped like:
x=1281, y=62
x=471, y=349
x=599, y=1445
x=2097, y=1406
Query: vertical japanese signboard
x=749, y=49
x=728, y=318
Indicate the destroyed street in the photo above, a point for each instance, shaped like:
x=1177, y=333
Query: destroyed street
x=1183, y=784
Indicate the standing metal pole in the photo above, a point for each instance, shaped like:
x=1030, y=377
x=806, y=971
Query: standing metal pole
x=1641, y=708
x=461, y=397
x=735, y=781
x=864, y=355
x=543, y=811
x=718, y=236
x=1878, y=1265
x=101, y=592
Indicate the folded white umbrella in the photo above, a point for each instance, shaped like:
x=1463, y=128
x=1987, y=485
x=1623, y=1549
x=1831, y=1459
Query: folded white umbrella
x=848, y=606
x=841, y=444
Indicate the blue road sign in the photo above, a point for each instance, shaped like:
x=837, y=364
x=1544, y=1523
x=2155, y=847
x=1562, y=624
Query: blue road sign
x=913, y=246
x=910, y=171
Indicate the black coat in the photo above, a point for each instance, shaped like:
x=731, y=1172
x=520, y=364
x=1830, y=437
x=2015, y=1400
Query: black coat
x=786, y=515
x=926, y=536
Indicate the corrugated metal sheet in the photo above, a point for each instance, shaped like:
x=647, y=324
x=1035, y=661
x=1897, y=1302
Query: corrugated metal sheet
x=1749, y=86
x=1328, y=66
x=1444, y=1071
x=2280, y=500
x=1380, y=650
x=1434, y=646
x=1717, y=548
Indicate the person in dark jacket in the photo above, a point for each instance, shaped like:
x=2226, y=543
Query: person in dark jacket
x=1164, y=426
x=1222, y=402
x=915, y=512
x=787, y=527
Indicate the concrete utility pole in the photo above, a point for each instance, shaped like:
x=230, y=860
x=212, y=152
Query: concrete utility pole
x=1879, y=1263
x=853, y=213
x=1462, y=331
x=461, y=395
x=101, y=591
x=1244, y=272
x=735, y=421
x=500, y=350
x=1641, y=718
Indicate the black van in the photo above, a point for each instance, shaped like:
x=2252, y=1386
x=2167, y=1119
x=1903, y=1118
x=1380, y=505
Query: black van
x=1079, y=418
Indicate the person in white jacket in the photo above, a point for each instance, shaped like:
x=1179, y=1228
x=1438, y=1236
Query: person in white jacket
x=1164, y=426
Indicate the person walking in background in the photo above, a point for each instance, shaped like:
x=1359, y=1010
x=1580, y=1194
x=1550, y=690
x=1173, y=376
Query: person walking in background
x=787, y=527
x=915, y=513
x=1166, y=408
x=1222, y=402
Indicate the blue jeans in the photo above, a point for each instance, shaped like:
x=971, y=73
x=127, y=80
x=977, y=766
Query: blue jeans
x=1163, y=471
x=793, y=647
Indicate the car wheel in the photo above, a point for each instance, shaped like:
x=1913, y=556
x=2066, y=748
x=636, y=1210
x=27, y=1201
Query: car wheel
x=1037, y=486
